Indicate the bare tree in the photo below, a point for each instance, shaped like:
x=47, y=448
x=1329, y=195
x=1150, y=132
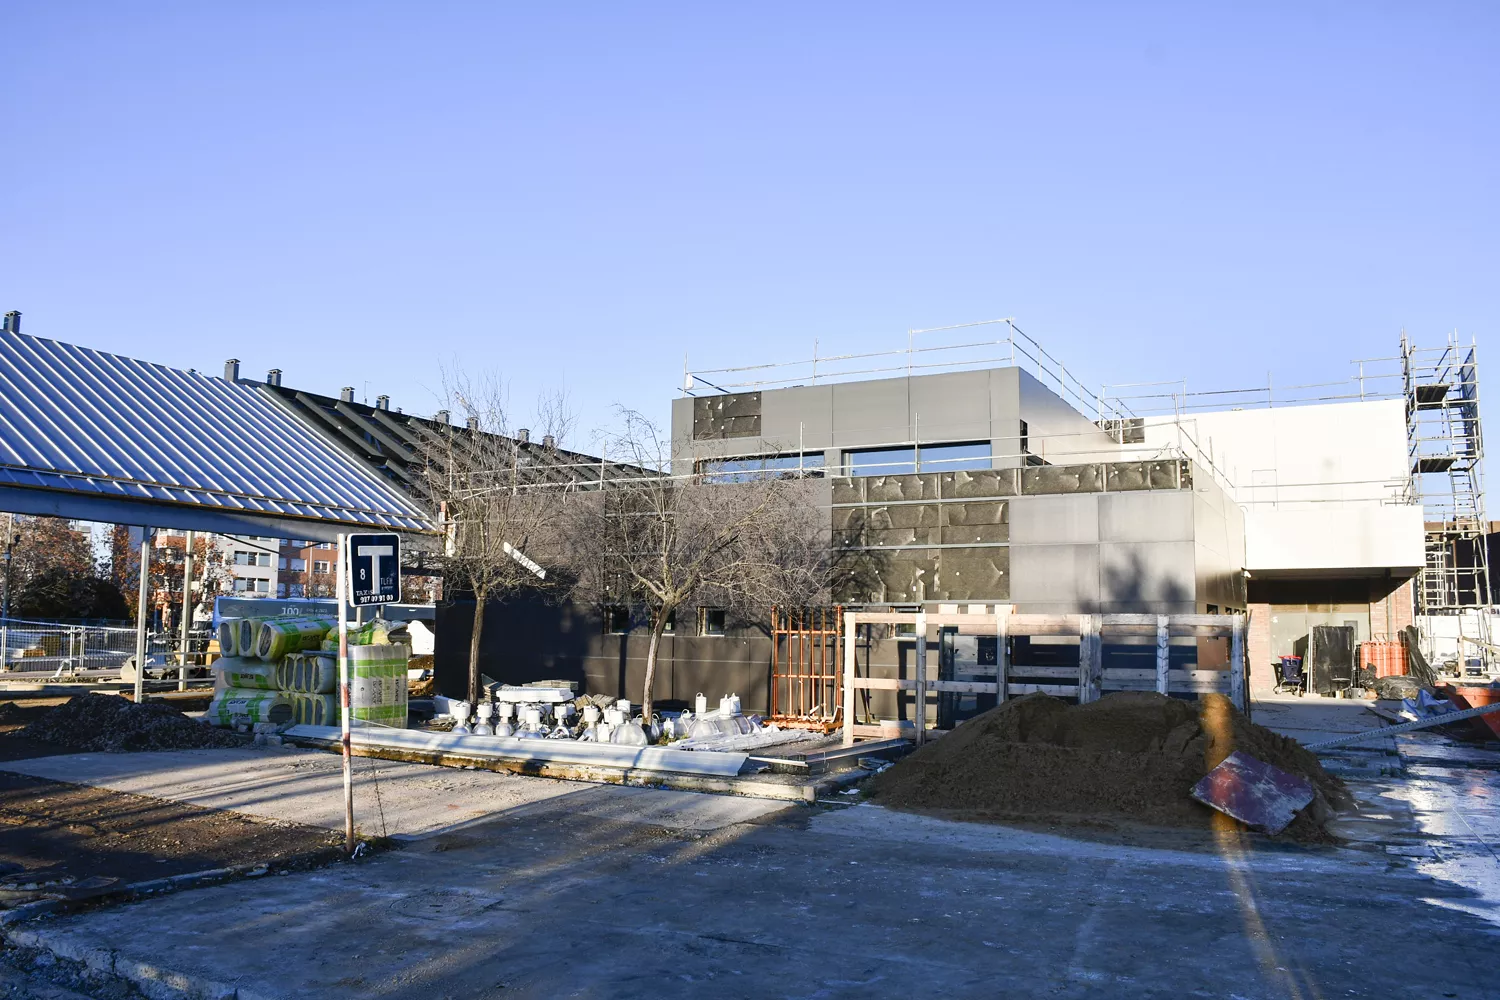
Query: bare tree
x=495, y=497
x=738, y=540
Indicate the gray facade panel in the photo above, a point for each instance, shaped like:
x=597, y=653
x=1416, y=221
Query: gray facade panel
x=1055, y=519
x=871, y=413
x=1162, y=516
x=1062, y=574
x=951, y=407
x=1141, y=574
x=798, y=418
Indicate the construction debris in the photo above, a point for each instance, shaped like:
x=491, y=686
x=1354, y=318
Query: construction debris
x=1259, y=795
x=1130, y=756
x=108, y=723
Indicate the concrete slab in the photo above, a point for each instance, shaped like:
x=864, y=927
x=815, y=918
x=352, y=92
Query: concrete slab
x=392, y=798
x=1311, y=719
x=863, y=902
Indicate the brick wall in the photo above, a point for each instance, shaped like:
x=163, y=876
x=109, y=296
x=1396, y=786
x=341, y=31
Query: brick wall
x=1258, y=651
x=1393, y=612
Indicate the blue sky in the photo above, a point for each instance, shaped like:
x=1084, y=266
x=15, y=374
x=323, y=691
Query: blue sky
x=576, y=195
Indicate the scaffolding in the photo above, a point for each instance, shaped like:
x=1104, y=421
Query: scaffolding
x=1446, y=453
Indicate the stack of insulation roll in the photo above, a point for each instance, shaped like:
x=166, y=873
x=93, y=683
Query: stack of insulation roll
x=285, y=671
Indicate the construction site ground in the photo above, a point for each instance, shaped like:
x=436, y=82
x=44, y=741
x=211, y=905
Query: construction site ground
x=519, y=886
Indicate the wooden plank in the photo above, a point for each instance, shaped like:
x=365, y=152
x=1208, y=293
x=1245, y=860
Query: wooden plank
x=882, y=617
x=1163, y=657
x=1056, y=690
x=1044, y=624
x=1090, y=659
x=962, y=687
x=898, y=684
x=1002, y=651
x=1130, y=674
x=1178, y=687
x=850, y=636
x=1237, y=664
x=1051, y=673
x=884, y=684
x=921, y=708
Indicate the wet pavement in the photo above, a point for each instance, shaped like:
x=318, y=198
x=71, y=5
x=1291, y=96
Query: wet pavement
x=1426, y=800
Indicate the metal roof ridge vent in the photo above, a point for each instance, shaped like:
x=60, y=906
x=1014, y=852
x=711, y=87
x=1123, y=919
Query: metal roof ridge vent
x=473, y=423
x=273, y=377
x=441, y=416
x=13, y=321
x=232, y=370
x=382, y=402
x=346, y=394
x=523, y=434
x=548, y=441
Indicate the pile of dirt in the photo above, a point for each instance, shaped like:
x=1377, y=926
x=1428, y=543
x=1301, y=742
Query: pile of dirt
x=107, y=723
x=1129, y=756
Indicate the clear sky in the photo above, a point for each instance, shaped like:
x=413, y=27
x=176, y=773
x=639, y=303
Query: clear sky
x=575, y=195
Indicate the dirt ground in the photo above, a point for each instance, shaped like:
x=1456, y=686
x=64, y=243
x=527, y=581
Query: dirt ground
x=87, y=831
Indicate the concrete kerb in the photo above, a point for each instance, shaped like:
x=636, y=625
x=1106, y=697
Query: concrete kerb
x=749, y=786
x=154, y=981
x=28, y=912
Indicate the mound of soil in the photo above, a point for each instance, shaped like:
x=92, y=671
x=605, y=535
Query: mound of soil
x=1133, y=756
x=107, y=723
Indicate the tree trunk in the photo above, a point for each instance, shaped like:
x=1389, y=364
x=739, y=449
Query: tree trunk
x=657, y=628
x=474, y=636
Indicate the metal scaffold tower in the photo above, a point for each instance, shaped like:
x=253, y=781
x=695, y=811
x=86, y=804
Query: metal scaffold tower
x=1446, y=453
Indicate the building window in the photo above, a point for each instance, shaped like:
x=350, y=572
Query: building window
x=281, y=590
x=241, y=585
x=954, y=457
x=263, y=586
x=881, y=462
x=710, y=621
x=616, y=620
x=1025, y=438
x=320, y=566
x=300, y=565
x=243, y=558
x=750, y=469
x=925, y=458
x=296, y=590
x=281, y=563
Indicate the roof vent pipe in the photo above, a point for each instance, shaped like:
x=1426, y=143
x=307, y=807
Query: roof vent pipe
x=441, y=416
x=473, y=423
x=13, y=322
x=232, y=370
x=548, y=441
x=273, y=377
x=346, y=394
x=382, y=402
x=523, y=435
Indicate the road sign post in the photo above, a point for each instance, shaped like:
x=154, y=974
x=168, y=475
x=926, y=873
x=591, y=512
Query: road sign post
x=369, y=572
x=341, y=586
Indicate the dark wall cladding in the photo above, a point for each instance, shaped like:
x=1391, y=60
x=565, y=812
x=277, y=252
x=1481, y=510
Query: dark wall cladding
x=1038, y=480
x=734, y=415
x=534, y=641
x=1062, y=479
x=940, y=575
x=903, y=520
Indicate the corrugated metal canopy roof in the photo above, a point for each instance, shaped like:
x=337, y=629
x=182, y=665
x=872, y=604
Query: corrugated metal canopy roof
x=132, y=442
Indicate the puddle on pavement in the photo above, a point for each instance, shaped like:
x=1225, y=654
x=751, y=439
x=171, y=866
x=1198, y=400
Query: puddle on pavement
x=1441, y=817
